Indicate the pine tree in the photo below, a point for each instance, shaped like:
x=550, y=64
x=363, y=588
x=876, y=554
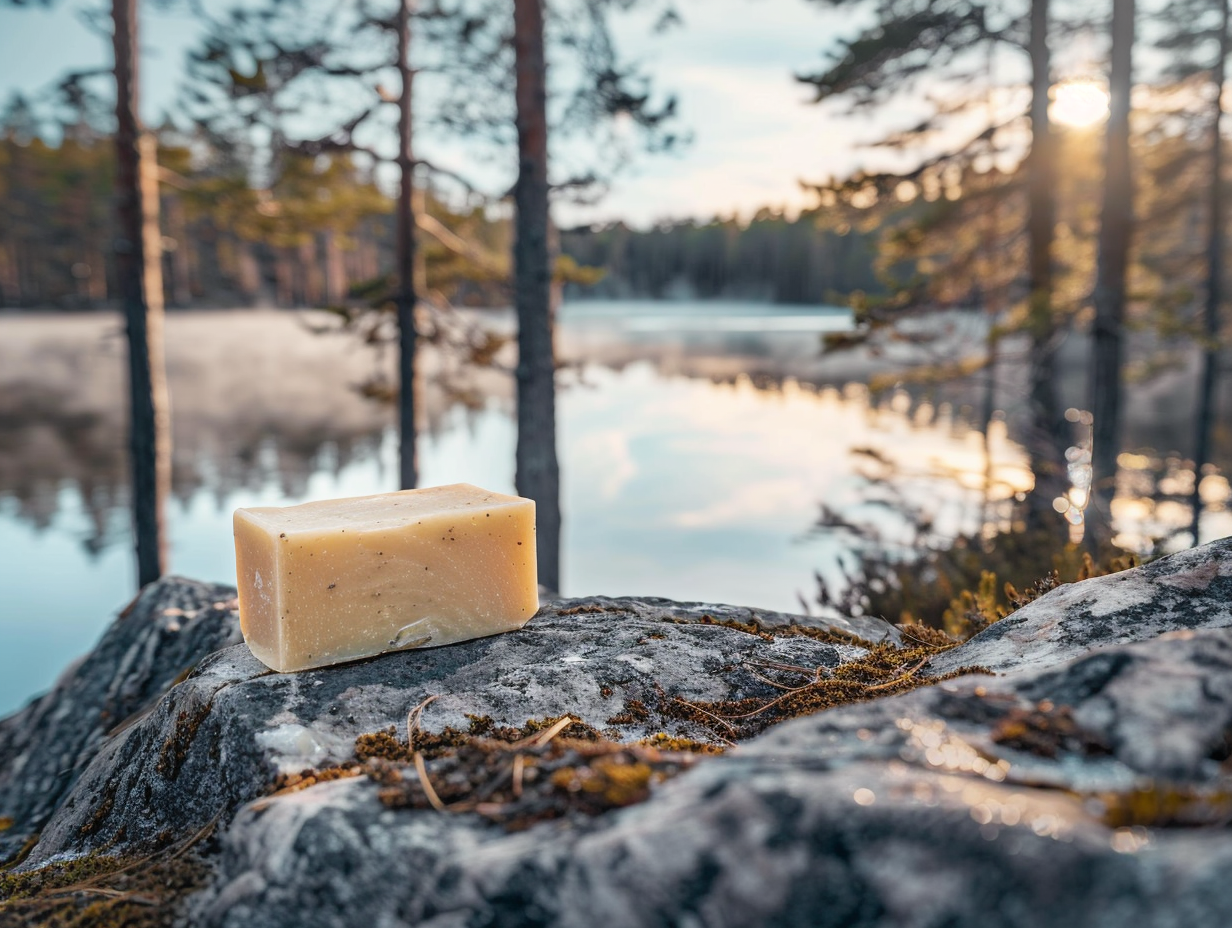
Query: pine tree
x=250, y=72
x=952, y=44
x=479, y=106
x=538, y=472
x=1214, y=272
x=139, y=273
x=1197, y=38
x=140, y=276
x=1107, y=331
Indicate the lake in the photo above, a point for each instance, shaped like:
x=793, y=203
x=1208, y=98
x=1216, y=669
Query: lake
x=697, y=443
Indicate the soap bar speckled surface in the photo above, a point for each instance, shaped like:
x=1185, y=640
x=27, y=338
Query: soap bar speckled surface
x=326, y=582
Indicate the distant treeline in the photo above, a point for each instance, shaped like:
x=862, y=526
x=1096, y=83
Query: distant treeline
x=323, y=236
x=771, y=258
x=323, y=233
x=56, y=243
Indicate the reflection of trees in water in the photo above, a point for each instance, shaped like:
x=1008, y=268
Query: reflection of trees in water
x=1155, y=476
x=278, y=415
x=47, y=446
x=925, y=363
x=258, y=400
x=273, y=453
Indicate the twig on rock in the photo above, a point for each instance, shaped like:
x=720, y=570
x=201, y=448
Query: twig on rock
x=413, y=717
x=900, y=679
x=540, y=739
x=433, y=799
x=519, y=765
x=697, y=708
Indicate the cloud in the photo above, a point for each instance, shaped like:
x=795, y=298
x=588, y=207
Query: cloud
x=605, y=461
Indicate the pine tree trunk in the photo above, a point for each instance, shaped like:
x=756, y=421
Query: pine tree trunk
x=180, y=264
x=311, y=275
x=1214, y=279
x=335, y=270
x=139, y=272
x=1046, y=437
x=1107, y=335
x=248, y=271
x=538, y=472
x=420, y=201
x=284, y=277
x=404, y=261
x=8, y=276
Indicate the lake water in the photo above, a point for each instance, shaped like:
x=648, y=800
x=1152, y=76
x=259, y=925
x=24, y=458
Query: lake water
x=697, y=443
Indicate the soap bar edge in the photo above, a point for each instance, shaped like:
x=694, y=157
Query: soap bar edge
x=273, y=658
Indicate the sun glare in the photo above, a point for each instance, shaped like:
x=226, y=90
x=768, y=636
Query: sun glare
x=1079, y=104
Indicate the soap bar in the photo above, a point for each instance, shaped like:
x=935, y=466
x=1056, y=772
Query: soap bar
x=336, y=580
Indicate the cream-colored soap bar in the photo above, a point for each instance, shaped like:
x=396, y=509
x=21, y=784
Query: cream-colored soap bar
x=341, y=579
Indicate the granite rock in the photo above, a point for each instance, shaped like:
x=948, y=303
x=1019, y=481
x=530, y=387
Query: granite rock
x=1085, y=780
x=45, y=746
x=1189, y=590
x=222, y=735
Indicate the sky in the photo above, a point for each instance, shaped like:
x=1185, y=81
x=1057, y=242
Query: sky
x=731, y=66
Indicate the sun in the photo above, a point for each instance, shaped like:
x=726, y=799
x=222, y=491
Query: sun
x=1079, y=104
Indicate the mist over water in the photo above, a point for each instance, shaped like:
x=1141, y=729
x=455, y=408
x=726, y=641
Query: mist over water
x=697, y=443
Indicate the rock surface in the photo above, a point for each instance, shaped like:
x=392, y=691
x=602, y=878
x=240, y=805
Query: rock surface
x=1189, y=590
x=45, y=747
x=1086, y=782
x=221, y=736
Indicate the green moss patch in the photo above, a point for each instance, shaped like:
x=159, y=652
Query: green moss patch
x=521, y=784
x=885, y=669
x=1047, y=730
x=555, y=767
x=101, y=890
x=546, y=769
x=175, y=747
x=1161, y=804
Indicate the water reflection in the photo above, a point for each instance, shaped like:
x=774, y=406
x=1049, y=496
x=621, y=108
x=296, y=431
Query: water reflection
x=1151, y=510
x=694, y=461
